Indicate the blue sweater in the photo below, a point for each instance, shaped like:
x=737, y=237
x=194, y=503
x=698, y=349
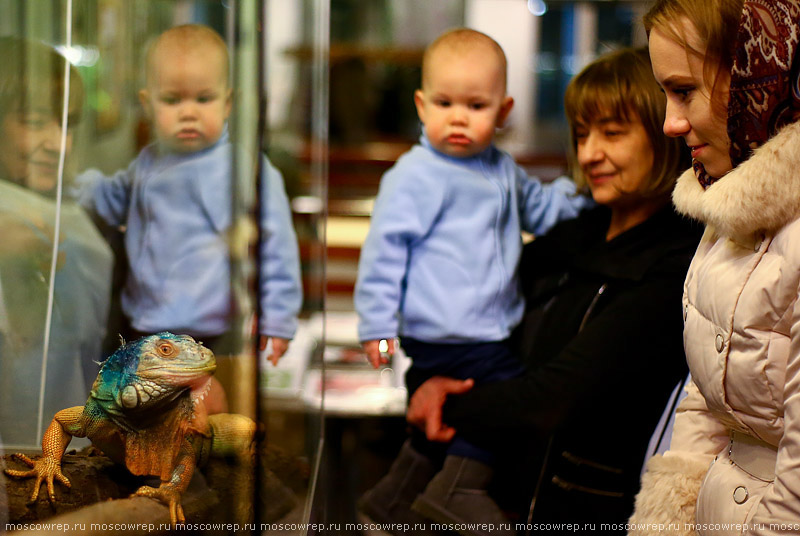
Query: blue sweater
x=440, y=261
x=177, y=212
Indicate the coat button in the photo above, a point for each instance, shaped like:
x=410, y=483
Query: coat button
x=719, y=342
x=685, y=312
x=740, y=495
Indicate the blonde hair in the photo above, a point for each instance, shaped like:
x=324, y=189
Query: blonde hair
x=187, y=37
x=620, y=85
x=716, y=23
x=463, y=40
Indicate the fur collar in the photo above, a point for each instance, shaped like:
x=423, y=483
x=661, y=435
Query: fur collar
x=762, y=194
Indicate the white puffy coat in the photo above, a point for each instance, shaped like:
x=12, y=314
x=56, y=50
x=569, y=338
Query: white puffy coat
x=742, y=339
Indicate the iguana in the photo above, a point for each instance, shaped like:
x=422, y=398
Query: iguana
x=145, y=411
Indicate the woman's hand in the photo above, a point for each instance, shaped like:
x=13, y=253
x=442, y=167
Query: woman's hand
x=425, y=408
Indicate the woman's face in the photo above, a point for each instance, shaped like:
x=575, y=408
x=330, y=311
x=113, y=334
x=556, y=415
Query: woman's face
x=616, y=158
x=693, y=112
x=30, y=143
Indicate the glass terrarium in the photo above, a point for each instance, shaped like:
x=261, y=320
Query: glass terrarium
x=98, y=101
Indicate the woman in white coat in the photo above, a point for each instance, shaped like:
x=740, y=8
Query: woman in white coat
x=729, y=69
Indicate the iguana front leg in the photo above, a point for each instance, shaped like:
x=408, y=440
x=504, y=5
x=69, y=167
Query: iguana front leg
x=169, y=492
x=168, y=495
x=65, y=424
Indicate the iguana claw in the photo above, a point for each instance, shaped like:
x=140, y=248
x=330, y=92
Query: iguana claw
x=44, y=469
x=168, y=496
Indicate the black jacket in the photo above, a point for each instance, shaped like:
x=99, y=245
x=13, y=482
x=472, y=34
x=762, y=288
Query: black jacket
x=602, y=344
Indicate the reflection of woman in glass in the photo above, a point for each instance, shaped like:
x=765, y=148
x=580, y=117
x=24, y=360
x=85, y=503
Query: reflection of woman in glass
x=32, y=92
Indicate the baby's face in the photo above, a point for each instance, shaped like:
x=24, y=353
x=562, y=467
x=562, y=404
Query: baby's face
x=187, y=97
x=462, y=101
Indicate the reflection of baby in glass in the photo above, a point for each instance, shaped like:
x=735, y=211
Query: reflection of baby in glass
x=175, y=200
x=439, y=266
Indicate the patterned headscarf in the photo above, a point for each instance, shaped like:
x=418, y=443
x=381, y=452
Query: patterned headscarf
x=765, y=78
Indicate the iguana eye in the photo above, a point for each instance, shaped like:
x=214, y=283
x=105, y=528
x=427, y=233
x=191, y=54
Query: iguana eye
x=166, y=349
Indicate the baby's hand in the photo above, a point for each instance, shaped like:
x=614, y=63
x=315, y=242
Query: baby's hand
x=373, y=351
x=279, y=347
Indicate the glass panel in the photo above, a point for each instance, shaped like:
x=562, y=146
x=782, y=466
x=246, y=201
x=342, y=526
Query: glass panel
x=174, y=215
x=55, y=267
x=297, y=131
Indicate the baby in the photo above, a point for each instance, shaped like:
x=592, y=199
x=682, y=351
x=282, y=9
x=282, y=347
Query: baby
x=175, y=200
x=439, y=265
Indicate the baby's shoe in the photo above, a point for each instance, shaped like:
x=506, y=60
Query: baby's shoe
x=458, y=496
x=389, y=502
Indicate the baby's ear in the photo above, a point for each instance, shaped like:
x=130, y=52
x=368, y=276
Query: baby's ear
x=419, y=102
x=144, y=99
x=505, y=109
x=228, y=102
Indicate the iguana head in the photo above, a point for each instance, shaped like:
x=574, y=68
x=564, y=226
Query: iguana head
x=152, y=372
